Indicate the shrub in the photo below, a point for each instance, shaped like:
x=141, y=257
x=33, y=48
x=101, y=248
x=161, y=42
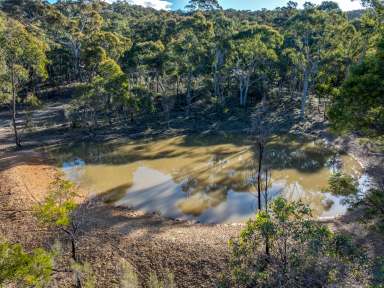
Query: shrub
x=26, y=269
x=342, y=185
x=284, y=247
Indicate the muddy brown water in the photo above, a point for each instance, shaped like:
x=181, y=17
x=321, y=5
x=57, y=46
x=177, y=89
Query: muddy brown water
x=210, y=179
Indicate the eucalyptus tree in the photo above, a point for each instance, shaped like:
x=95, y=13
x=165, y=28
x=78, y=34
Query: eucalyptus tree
x=107, y=93
x=329, y=6
x=76, y=24
x=310, y=34
x=23, y=58
x=147, y=60
x=253, y=52
x=190, y=49
x=101, y=45
x=360, y=105
x=113, y=43
x=371, y=28
x=283, y=14
x=224, y=28
x=341, y=47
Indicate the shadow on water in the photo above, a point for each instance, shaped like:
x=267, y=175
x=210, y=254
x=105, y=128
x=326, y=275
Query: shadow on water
x=208, y=178
x=114, y=194
x=281, y=153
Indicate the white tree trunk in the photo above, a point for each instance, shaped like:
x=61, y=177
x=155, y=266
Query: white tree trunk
x=217, y=85
x=17, y=137
x=244, y=88
x=305, y=93
x=189, y=92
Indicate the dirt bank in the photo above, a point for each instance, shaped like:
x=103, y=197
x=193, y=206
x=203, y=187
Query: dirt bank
x=196, y=254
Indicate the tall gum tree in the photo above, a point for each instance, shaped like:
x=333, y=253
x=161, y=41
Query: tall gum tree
x=223, y=31
x=253, y=50
x=310, y=33
x=190, y=50
x=76, y=24
x=23, y=57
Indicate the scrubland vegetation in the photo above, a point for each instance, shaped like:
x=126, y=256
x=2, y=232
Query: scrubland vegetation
x=119, y=67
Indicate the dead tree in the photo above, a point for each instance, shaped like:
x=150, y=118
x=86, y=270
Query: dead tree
x=78, y=219
x=260, y=132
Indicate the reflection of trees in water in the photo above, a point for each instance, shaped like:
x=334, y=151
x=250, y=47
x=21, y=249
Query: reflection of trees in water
x=315, y=199
x=302, y=160
x=223, y=172
x=240, y=173
x=334, y=163
x=220, y=175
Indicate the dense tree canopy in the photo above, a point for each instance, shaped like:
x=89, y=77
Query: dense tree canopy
x=360, y=103
x=128, y=59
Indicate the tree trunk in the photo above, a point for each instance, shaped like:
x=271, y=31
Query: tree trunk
x=73, y=249
x=177, y=87
x=17, y=137
x=364, y=50
x=305, y=93
x=189, y=91
x=241, y=91
x=77, y=51
x=78, y=281
x=266, y=190
x=244, y=87
x=157, y=82
x=246, y=91
x=261, y=150
x=74, y=257
x=217, y=77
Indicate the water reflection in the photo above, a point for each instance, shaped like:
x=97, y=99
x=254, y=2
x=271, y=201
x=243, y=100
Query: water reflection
x=208, y=179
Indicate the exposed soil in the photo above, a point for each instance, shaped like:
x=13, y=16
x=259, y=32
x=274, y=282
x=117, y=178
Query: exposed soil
x=196, y=254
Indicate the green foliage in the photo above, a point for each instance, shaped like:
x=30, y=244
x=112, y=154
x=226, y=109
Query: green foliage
x=23, y=59
x=109, y=91
x=26, y=269
x=144, y=55
x=192, y=59
x=302, y=252
x=22, y=48
x=57, y=208
x=372, y=205
x=360, y=104
x=109, y=69
x=257, y=43
x=342, y=185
